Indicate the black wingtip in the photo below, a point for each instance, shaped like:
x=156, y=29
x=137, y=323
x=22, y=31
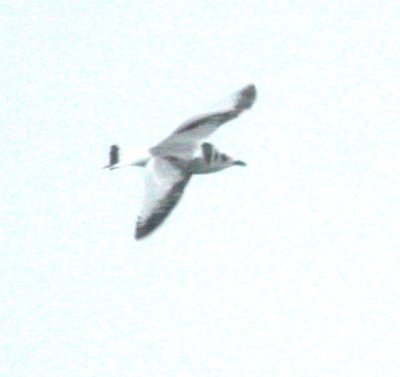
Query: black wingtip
x=247, y=97
x=143, y=231
x=144, y=227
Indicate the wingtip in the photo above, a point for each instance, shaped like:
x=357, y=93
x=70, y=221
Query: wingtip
x=143, y=229
x=141, y=233
x=247, y=97
x=250, y=86
x=138, y=234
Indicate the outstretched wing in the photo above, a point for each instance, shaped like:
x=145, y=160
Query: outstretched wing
x=183, y=141
x=165, y=183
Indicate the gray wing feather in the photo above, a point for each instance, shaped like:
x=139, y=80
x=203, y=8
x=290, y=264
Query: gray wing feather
x=164, y=208
x=183, y=141
x=242, y=100
x=166, y=182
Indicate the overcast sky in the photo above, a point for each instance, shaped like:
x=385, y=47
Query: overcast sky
x=289, y=267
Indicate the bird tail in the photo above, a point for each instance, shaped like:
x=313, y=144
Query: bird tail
x=113, y=157
x=115, y=161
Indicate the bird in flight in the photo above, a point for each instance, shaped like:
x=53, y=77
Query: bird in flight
x=174, y=160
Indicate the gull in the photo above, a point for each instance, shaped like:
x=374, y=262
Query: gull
x=173, y=161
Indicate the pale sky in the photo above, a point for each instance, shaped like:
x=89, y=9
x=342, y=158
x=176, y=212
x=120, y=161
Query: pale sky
x=289, y=267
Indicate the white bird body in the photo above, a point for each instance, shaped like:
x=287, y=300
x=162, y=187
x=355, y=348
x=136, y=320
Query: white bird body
x=174, y=160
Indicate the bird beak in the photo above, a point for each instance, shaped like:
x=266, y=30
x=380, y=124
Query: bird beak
x=239, y=163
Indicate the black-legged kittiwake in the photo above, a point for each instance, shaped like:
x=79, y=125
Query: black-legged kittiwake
x=174, y=160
